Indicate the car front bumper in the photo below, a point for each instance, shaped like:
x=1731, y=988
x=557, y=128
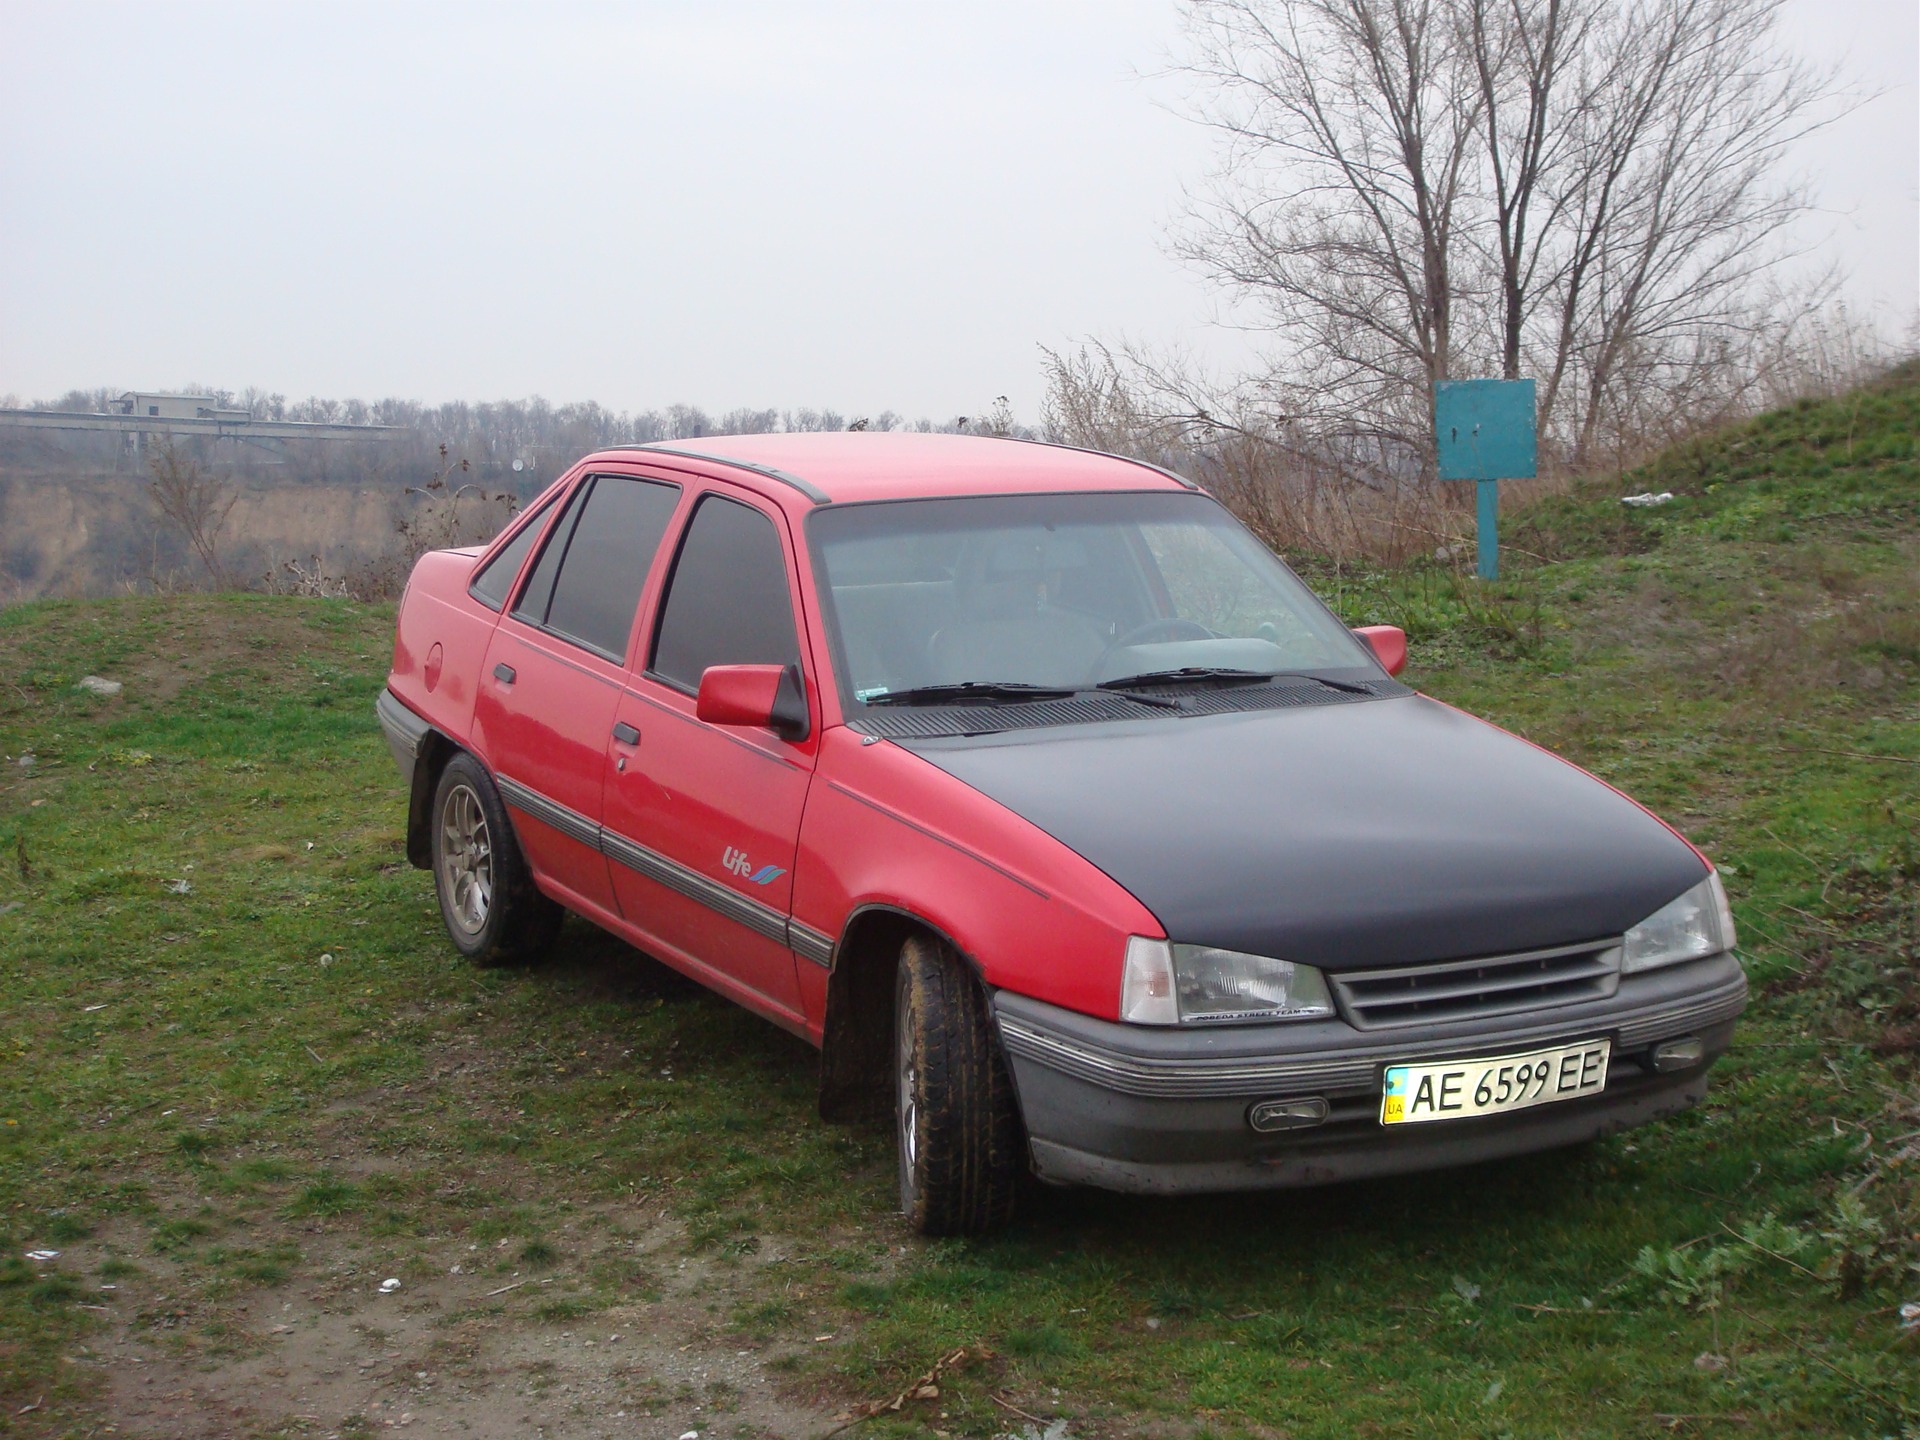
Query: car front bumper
x=1146, y=1109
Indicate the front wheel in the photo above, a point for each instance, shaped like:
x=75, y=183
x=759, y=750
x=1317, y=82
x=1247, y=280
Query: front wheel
x=493, y=912
x=962, y=1148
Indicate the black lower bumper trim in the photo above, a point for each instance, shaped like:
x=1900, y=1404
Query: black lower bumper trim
x=1377, y=1154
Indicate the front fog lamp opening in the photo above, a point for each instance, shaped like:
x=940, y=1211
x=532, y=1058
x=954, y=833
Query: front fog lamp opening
x=1268, y=1116
x=1167, y=984
x=1671, y=1055
x=1691, y=927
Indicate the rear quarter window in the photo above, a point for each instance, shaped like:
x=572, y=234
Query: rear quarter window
x=495, y=581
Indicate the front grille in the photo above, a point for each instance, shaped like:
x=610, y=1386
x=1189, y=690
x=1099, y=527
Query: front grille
x=1469, y=989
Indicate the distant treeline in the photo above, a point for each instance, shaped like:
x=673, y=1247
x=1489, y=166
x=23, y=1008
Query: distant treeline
x=515, y=444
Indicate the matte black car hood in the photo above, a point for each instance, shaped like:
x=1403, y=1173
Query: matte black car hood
x=1344, y=836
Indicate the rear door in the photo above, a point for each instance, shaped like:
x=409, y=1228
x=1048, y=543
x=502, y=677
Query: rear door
x=702, y=820
x=552, y=681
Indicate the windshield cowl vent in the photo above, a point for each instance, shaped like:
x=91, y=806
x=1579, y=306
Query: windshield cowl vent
x=928, y=721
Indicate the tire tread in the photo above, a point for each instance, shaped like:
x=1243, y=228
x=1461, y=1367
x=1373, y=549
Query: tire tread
x=972, y=1151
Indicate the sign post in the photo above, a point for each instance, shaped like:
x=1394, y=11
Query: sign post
x=1484, y=431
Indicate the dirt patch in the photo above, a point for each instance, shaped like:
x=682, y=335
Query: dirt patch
x=601, y=1318
x=458, y=1353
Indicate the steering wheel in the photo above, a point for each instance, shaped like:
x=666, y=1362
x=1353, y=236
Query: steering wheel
x=1172, y=626
x=1175, y=627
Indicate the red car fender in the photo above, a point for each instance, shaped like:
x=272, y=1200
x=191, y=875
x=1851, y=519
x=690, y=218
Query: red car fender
x=440, y=641
x=884, y=828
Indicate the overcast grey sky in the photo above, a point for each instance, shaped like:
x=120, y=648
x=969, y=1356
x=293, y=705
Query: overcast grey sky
x=856, y=205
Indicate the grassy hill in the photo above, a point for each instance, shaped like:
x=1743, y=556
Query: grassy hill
x=244, y=1081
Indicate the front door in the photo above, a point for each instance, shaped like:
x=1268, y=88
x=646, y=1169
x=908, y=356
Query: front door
x=545, y=710
x=702, y=820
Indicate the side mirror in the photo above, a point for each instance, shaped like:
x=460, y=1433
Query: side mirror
x=773, y=696
x=1388, y=643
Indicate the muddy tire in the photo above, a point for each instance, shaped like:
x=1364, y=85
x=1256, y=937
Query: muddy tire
x=493, y=913
x=962, y=1149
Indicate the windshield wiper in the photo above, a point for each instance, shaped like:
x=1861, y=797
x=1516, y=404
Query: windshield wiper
x=1225, y=675
x=1010, y=690
x=1185, y=673
x=1015, y=691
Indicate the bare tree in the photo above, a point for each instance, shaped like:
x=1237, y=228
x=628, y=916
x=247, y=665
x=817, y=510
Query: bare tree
x=1519, y=50
x=1670, y=210
x=1413, y=189
x=194, y=502
x=1349, y=126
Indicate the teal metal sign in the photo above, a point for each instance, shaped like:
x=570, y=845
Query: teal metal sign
x=1484, y=431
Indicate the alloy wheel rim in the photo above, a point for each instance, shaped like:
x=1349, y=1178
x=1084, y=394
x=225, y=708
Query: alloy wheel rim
x=466, y=860
x=907, y=1107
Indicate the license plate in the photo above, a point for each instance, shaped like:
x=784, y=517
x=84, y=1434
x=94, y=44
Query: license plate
x=1459, y=1089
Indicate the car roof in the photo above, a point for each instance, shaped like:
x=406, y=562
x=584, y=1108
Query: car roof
x=844, y=466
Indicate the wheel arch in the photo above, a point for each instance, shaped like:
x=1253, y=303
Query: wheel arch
x=856, y=1043
x=432, y=757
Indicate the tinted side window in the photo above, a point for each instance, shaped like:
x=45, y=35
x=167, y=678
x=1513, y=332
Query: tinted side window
x=492, y=585
x=727, y=603
x=608, y=556
x=539, y=588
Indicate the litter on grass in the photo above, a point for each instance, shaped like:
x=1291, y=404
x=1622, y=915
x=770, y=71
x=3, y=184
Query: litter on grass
x=388, y=1286
x=1910, y=1315
x=98, y=686
x=180, y=887
x=43, y=1254
x=1647, y=497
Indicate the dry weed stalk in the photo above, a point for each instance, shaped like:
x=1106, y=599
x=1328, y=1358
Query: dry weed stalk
x=193, y=502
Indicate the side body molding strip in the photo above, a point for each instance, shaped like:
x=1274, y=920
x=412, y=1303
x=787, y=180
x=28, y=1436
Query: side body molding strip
x=803, y=940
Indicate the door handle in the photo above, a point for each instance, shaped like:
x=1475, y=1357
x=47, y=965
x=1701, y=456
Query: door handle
x=626, y=734
x=504, y=673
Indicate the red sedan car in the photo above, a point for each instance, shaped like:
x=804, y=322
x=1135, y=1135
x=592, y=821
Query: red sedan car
x=1054, y=809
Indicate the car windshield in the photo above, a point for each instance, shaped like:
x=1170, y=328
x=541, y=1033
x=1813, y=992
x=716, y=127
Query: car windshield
x=969, y=599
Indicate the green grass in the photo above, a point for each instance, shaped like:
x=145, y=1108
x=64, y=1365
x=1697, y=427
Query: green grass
x=238, y=1088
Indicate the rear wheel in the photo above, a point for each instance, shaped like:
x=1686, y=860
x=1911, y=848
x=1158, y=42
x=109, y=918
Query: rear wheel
x=962, y=1149
x=493, y=912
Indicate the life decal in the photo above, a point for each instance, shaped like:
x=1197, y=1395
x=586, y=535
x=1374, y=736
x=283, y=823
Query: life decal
x=736, y=862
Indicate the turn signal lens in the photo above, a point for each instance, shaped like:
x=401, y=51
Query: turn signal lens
x=1146, y=985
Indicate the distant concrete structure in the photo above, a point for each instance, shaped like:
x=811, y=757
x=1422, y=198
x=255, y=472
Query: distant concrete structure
x=177, y=407
x=138, y=414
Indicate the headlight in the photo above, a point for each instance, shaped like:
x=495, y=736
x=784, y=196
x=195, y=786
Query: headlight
x=1696, y=925
x=1167, y=984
